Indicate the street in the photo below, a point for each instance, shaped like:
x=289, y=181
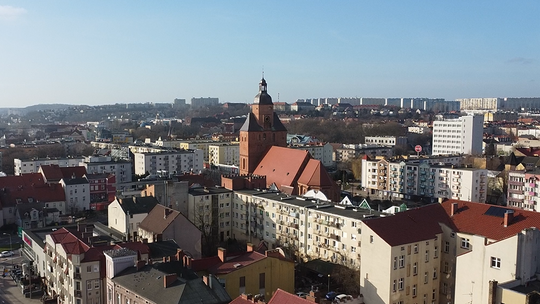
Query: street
x=10, y=293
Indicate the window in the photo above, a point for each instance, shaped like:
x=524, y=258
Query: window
x=446, y=267
x=89, y=268
x=414, y=290
x=446, y=247
x=415, y=268
x=464, y=243
x=427, y=256
x=415, y=248
x=394, y=286
x=426, y=277
x=495, y=262
x=400, y=284
x=395, y=263
x=242, y=284
x=262, y=280
x=402, y=261
x=435, y=273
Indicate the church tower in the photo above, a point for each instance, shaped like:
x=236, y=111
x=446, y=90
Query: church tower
x=261, y=130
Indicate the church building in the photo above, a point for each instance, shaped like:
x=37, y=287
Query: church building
x=265, y=158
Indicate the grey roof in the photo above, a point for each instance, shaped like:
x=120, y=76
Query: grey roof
x=138, y=205
x=262, y=97
x=277, y=125
x=251, y=124
x=76, y=181
x=208, y=190
x=188, y=287
x=162, y=249
x=27, y=207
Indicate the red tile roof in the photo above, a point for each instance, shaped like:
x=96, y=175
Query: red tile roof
x=283, y=297
x=159, y=218
x=282, y=166
x=240, y=300
x=411, y=226
x=28, y=186
x=54, y=173
x=243, y=260
x=471, y=218
x=315, y=175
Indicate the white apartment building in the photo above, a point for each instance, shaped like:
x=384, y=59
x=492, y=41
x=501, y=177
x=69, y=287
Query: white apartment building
x=388, y=141
x=172, y=162
x=324, y=153
x=22, y=166
x=523, y=189
x=461, y=135
x=500, y=104
x=404, y=179
x=224, y=154
x=77, y=191
x=122, y=170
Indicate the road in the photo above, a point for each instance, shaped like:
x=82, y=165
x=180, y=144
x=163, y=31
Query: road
x=9, y=292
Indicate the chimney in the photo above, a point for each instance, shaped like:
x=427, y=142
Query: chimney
x=149, y=262
x=179, y=254
x=314, y=296
x=145, y=241
x=247, y=296
x=89, y=228
x=187, y=261
x=508, y=217
x=168, y=279
x=165, y=213
x=453, y=209
x=222, y=253
x=249, y=247
x=492, y=293
x=81, y=227
x=140, y=264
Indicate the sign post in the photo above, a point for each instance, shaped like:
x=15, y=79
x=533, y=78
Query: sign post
x=418, y=149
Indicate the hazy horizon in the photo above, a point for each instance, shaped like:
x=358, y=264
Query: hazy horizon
x=98, y=53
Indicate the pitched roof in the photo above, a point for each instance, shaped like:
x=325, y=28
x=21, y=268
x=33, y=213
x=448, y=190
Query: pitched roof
x=411, y=226
x=54, y=173
x=250, y=124
x=138, y=205
x=282, y=166
x=277, y=125
x=28, y=188
x=187, y=288
x=283, y=297
x=314, y=174
x=486, y=220
x=243, y=260
x=159, y=218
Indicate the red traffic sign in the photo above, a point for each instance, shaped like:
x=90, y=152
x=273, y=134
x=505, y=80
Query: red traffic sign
x=418, y=148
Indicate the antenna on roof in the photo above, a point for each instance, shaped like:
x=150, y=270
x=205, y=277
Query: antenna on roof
x=263, y=71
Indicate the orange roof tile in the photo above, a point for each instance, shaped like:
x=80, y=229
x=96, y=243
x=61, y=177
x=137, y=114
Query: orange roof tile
x=243, y=260
x=283, y=297
x=471, y=218
x=315, y=175
x=282, y=166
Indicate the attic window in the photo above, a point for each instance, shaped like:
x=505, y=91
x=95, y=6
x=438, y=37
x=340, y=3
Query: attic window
x=237, y=265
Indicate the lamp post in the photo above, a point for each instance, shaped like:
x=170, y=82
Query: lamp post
x=328, y=282
x=10, y=248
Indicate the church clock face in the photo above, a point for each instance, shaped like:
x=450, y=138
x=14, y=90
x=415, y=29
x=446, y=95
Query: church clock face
x=266, y=119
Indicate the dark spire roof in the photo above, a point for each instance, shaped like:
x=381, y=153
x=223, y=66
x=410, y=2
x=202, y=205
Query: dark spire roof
x=263, y=98
x=251, y=124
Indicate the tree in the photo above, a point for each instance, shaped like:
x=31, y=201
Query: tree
x=346, y=278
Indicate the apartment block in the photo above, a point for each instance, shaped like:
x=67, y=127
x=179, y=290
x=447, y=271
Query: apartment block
x=171, y=162
x=22, y=166
x=388, y=141
x=461, y=135
x=523, y=189
x=319, y=151
x=404, y=179
x=224, y=154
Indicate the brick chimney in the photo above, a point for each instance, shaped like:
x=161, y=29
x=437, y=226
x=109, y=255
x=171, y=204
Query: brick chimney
x=165, y=213
x=314, y=296
x=179, y=255
x=187, y=261
x=169, y=279
x=222, y=253
x=508, y=217
x=140, y=264
x=453, y=209
x=247, y=296
x=249, y=247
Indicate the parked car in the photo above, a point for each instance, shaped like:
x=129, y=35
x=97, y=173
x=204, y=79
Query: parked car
x=302, y=294
x=6, y=254
x=331, y=296
x=343, y=297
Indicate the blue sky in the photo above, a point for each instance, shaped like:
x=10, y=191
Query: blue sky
x=102, y=52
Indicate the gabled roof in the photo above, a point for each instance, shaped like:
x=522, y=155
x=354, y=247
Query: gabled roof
x=283, y=297
x=315, y=174
x=159, y=218
x=282, y=166
x=277, y=125
x=471, y=218
x=54, y=173
x=138, y=205
x=243, y=260
x=411, y=226
x=28, y=188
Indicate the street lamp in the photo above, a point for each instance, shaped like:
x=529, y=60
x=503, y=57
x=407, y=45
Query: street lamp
x=328, y=282
x=10, y=248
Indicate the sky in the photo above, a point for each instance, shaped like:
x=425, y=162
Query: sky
x=106, y=52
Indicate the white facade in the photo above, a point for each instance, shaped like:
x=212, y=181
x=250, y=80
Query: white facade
x=224, y=154
x=462, y=135
x=324, y=153
x=172, y=162
x=77, y=193
x=22, y=166
x=122, y=170
x=388, y=141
